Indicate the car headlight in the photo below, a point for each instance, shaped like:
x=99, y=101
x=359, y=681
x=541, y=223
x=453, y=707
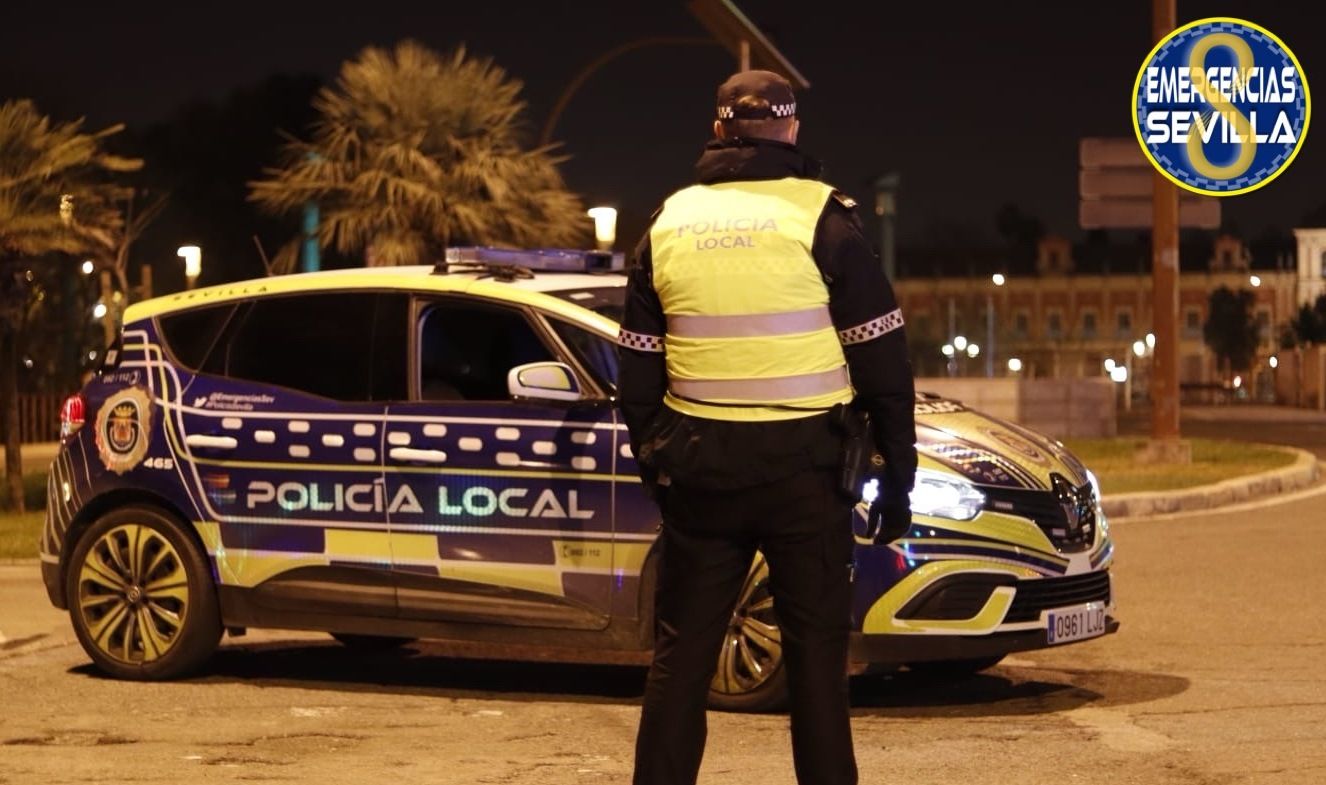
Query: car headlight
x=939, y=494
x=1095, y=484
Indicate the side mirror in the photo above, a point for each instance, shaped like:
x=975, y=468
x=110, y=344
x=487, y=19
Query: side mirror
x=546, y=381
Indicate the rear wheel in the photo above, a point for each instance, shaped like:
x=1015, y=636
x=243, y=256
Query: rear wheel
x=371, y=643
x=751, y=675
x=141, y=596
x=952, y=670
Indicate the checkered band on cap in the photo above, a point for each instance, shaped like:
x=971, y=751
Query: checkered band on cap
x=639, y=341
x=775, y=110
x=784, y=110
x=868, y=331
x=725, y=113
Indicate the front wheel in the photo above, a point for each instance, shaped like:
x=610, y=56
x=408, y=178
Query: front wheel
x=751, y=675
x=141, y=596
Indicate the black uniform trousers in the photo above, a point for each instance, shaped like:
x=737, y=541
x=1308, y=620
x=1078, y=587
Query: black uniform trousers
x=803, y=528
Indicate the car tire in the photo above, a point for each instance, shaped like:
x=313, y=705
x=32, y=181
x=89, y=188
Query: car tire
x=953, y=670
x=371, y=643
x=751, y=675
x=141, y=596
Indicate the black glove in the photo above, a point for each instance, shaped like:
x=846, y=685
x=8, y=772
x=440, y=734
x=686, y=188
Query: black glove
x=890, y=517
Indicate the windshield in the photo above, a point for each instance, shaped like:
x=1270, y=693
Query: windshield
x=609, y=301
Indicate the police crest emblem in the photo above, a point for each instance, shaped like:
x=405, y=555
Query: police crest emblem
x=124, y=429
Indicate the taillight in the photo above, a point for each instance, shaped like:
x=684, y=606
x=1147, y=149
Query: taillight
x=71, y=416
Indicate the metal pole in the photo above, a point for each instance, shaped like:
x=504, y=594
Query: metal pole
x=1164, y=277
x=989, y=334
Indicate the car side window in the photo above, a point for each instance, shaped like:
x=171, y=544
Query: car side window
x=594, y=351
x=348, y=346
x=191, y=335
x=466, y=350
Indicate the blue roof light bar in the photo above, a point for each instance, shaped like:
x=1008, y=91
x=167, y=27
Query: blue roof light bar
x=565, y=260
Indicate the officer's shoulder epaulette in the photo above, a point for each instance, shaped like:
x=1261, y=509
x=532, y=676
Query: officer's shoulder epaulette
x=843, y=199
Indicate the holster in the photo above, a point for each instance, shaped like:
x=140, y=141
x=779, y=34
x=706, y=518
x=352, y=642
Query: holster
x=854, y=427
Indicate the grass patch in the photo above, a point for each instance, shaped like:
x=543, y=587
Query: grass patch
x=20, y=534
x=1114, y=462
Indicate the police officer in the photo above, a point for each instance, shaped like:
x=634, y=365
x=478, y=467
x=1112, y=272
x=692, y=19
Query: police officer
x=755, y=313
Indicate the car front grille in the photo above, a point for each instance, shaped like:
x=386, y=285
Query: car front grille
x=1049, y=513
x=1044, y=594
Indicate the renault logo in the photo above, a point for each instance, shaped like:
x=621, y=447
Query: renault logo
x=1075, y=503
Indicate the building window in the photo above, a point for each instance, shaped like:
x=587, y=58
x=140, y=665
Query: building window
x=1089, y=324
x=1020, y=324
x=1192, y=323
x=1123, y=323
x=1264, y=324
x=1054, y=327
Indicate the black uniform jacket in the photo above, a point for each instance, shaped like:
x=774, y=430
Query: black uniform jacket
x=721, y=454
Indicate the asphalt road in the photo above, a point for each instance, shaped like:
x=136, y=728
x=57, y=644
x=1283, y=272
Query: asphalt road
x=1216, y=677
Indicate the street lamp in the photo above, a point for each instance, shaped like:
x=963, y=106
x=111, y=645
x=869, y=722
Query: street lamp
x=88, y=267
x=1119, y=374
x=960, y=343
x=973, y=350
x=99, y=311
x=1139, y=348
x=193, y=263
x=1014, y=365
x=1274, y=362
x=998, y=280
x=1255, y=280
x=605, y=226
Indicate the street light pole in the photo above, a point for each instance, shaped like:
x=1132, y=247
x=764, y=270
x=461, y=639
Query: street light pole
x=1165, y=290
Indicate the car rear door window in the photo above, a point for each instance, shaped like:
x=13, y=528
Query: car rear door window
x=191, y=335
x=348, y=346
x=466, y=350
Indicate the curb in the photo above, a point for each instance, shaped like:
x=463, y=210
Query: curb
x=1302, y=473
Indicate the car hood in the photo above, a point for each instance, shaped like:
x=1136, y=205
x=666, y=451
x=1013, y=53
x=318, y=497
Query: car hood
x=988, y=450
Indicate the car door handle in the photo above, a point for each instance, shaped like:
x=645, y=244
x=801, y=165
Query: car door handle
x=211, y=442
x=414, y=455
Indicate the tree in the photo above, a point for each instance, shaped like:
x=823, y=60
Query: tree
x=1308, y=326
x=413, y=152
x=1230, y=331
x=55, y=197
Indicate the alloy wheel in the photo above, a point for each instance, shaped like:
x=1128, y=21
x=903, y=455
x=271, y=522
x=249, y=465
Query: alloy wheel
x=752, y=649
x=133, y=594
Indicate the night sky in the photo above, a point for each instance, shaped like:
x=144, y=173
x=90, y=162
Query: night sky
x=975, y=104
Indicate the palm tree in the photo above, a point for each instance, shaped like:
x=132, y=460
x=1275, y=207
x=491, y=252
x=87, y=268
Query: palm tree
x=415, y=151
x=55, y=197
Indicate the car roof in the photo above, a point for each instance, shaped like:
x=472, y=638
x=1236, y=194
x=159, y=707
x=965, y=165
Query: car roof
x=536, y=290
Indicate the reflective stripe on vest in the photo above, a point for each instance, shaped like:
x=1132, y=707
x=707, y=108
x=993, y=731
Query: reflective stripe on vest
x=749, y=335
x=750, y=324
x=763, y=389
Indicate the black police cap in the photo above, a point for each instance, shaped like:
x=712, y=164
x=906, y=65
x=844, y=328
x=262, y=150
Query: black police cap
x=756, y=95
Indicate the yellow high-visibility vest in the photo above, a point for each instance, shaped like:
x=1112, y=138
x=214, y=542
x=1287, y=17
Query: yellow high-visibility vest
x=748, y=327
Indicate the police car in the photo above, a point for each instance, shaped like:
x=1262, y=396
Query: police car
x=389, y=454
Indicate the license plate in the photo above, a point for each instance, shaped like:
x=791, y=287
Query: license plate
x=1075, y=624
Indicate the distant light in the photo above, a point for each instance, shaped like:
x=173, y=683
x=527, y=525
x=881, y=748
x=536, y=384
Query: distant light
x=99, y=311
x=947, y=349
x=1150, y=340
x=27, y=362
x=1238, y=382
x=1119, y=374
x=92, y=355
x=999, y=279
x=1109, y=365
x=193, y=260
x=1014, y=364
x=1255, y=280
x=605, y=225
x=1139, y=348
x=1274, y=361
x=88, y=267
x=960, y=343
x=973, y=350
